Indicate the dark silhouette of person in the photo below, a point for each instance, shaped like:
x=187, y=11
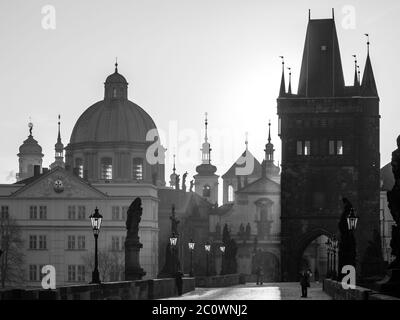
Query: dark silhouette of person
x=304, y=283
x=260, y=274
x=179, y=282
x=316, y=275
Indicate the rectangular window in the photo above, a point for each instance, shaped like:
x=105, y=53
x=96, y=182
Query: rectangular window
x=307, y=148
x=42, y=242
x=106, y=168
x=331, y=147
x=137, y=169
x=81, y=242
x=71, y=273
x=32, y=242
x=71, y=213
x=43, y=212
x=33, y=212
x=71, y=242
x=81, y=212
x=4, y=212
x=299, y=148
x=115, y=243
x=279, y=126
x=124, y=213
x=339, y=147
x=81, y=273
x=33, y=272
x=115, y=213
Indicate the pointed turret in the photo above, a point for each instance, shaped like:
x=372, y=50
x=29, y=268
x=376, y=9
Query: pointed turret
x=172, y=181
x=290, y=81
x=59, y=150
x=282, y=90
x=368, y=86
x=321, y=72
x=269, y=168
x=356, y=80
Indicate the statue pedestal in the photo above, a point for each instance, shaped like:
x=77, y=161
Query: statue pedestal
x=133, y=271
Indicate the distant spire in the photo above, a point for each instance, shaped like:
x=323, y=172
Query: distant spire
x=247, y=140
x=269, y=131
x=356, y=81
x=174, y=168
x=282, y=90
x=116, y=64
x=368, y=85
x=368, y=43
x=59, y=133
x=206, y=125
x=290, y=81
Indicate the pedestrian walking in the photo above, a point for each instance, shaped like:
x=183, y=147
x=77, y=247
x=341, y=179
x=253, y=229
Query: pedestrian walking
x=304, y=283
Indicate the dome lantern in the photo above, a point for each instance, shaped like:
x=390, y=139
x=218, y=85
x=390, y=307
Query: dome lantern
x=116, y=86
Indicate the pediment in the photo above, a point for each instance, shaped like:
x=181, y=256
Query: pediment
x=261, y=186
x=58, y=183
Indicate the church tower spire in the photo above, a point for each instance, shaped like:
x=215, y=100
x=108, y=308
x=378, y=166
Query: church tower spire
x=206, y=181
x=368, y=86
x=290, y=81
x=269, y=168
x=30, y=157
x=282, y=90
x=59, y=149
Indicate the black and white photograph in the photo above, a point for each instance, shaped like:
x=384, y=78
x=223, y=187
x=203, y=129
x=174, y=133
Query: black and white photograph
x=201, y=157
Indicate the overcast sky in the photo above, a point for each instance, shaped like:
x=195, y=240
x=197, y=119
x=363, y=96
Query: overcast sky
x=181, y=58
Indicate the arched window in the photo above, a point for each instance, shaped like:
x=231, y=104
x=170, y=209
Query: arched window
x=137, y=169
x=114, y=92
x=79, y=167
x=106, y=168
x=206, y=191
x=230, y=193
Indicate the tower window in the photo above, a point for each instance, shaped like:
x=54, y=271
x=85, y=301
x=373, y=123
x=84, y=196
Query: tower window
x=137, y=169
x=206, y=191
x=279, y=126
x=106, y=168
x=230, y=193
x=303, y=148
x=114, y=92
x=336, y=147
x=79, y=167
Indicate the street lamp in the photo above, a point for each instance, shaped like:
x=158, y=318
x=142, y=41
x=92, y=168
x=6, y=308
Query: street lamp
x=207, y=247
x=335, y=243
x=96, y=219
x=352, y=220
x=191, y=248
x=173, y=239
x=222, y=248
x=328, y=249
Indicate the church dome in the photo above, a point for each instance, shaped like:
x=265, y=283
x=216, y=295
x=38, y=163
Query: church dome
x=114, y=119
x=30, y=146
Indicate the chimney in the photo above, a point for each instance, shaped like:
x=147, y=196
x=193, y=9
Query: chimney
x=45, y=170
x=36, y=170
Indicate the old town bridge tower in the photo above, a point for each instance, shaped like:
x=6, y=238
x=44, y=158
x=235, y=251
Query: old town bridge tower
x=330, y=148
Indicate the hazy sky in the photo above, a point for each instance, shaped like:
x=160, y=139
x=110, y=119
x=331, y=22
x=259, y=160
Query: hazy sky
x=181, y=58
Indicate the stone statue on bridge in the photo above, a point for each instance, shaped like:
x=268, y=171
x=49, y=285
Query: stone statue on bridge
x=133, y=271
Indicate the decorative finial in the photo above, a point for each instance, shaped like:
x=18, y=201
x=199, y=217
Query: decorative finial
x=116, y=64
x=269, y=131
x=309, y=14
x=30, y=126
x=174, y=169
x=290, y=81
x=283, y=61
x=59, y=131
x=333, y=13
x=246, y=142
x=359, y=73
x=368, y=43
x=355, y=59
x=206, y=124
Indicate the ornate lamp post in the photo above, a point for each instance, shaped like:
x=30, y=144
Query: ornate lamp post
x=335, y=243
x=222, y=248
x=95, y=220
x=328, y=265
x=191, y=248
x=352, y=220
x=173, y=239
x=207, y=247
